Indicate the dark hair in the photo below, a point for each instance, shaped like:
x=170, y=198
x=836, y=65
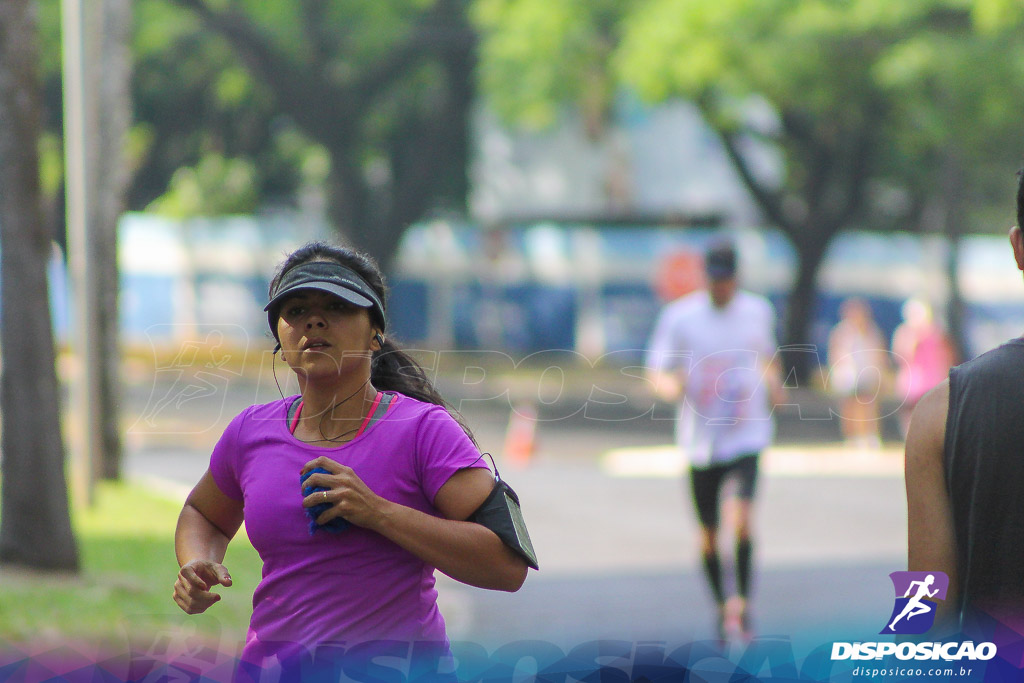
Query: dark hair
x=720, y=260
x=391, y=368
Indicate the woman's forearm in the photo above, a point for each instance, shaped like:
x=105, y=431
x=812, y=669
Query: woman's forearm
x=197, y=538
x=465, y=551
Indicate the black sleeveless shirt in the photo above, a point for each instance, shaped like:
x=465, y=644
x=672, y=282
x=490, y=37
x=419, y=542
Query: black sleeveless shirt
x=984, y=464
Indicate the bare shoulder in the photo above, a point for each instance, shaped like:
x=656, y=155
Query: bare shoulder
x=933, y=405
x=464, y=492
x=927, y=432
x=931, y=540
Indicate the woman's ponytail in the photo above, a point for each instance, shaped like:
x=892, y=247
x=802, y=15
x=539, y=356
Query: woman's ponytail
x=392, y=369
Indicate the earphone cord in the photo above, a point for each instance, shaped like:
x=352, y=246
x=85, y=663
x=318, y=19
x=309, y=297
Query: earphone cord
x=273, y=369
x=320, y=426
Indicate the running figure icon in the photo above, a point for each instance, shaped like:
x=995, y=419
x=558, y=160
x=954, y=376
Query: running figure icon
x=916, y=604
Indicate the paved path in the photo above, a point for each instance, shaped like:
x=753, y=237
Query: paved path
x=619, y=554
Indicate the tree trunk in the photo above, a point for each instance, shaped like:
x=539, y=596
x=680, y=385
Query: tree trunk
x=953, y=217
x=112, y=176
x=349, y=207
x=427, y=149
x=35, y=522
x=802, y=299
x=956, y=308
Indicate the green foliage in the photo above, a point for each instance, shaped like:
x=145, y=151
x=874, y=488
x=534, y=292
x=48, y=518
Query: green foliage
x=671, y=48
x=352, y=32
x=49, y=36
x=298, y=152
x=818, y=54
x=872, y=99
x=196, y=107
x=215, y=186
x=159, y=26
x=920, y=78
x=269, y=101
x=541, y=54
x=51, y=165
x=996, y=15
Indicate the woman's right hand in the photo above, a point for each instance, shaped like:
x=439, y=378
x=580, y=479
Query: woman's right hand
x=195, y=579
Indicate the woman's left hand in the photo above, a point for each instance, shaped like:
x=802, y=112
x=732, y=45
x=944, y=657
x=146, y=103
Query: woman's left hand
x=347, y=494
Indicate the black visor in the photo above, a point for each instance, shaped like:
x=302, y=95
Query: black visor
x=325, y=276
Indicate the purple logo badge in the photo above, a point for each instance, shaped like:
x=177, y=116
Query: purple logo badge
x=917, y=595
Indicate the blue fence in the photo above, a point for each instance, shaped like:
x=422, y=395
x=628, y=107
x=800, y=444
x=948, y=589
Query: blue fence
x=536, y=287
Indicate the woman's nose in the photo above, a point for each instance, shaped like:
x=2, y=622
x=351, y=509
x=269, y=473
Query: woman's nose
x=315, y=320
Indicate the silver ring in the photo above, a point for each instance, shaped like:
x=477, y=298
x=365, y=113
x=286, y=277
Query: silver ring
x=325, y=495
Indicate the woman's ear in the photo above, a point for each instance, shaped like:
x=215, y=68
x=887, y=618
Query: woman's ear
x=1017, y=242
x=379, y=338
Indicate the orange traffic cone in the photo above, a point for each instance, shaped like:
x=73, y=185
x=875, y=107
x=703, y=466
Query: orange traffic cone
x=521, y=434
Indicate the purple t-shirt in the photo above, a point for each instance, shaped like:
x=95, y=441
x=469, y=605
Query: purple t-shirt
x=355, y=585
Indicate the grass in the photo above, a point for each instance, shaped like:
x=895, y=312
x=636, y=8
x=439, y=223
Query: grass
x=122, y=595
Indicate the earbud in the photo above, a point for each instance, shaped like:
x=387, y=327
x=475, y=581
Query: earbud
x=380, y=338
x=277, y=347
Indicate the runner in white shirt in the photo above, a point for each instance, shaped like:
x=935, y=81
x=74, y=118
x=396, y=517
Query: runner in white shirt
x=713, y=352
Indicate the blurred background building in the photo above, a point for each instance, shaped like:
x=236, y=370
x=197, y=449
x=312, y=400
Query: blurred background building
x=526, y=288
x=590, y=277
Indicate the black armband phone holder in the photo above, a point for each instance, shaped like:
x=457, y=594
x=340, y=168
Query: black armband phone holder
x=500, y=513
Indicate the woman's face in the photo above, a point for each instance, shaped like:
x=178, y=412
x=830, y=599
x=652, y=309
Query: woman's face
x=323, y=335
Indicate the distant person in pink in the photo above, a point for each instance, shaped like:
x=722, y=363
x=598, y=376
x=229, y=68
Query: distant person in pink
x=348, y=553
x=858, y=365
x=923, y=354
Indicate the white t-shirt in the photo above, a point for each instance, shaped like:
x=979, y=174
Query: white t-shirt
x=722, y=355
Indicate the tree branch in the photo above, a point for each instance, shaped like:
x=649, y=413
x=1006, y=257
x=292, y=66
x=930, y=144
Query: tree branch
x=314, y=23
x=860, y=165
x=310, y=102
x=819, y=171
x=439, y=133
x=769, y=201
x=441, y=29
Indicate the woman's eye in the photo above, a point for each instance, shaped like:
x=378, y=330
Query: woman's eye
x=293, y=311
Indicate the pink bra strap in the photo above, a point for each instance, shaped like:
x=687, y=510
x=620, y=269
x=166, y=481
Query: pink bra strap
x=366, y=420
x=369, y=415
x=295, y=420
